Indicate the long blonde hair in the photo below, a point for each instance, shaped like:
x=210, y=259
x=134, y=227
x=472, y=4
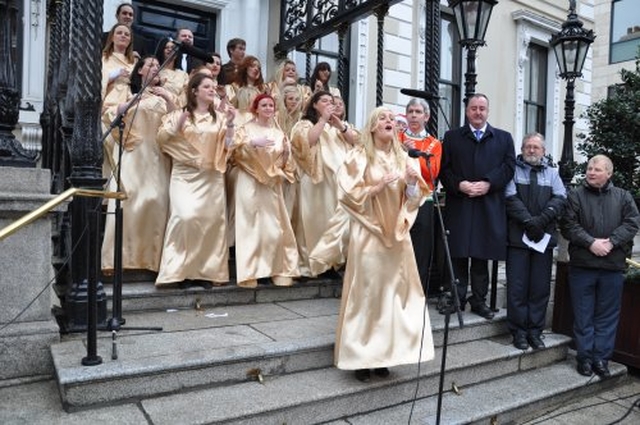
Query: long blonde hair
x=285, y=118
x=368, y=141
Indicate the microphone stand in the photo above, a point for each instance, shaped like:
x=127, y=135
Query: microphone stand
x=114, y=324
x=452, y=294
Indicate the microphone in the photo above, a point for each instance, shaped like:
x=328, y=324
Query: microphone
x=416, y=153
x=193, y=51
x=421, y=94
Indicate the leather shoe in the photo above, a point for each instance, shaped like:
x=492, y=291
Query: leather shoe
x=382, y=372
x=584, y=368
x=601, y=369
x=520, y=341
x=363, y=375
x=535, y=341
x=483, y=311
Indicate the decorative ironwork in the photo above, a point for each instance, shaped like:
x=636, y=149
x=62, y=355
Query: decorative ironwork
x=342, y=65
x=432, y=58
x=11, y=151
x=304, y=20
x=381, y=11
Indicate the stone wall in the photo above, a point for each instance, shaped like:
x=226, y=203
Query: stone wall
x=27, y=326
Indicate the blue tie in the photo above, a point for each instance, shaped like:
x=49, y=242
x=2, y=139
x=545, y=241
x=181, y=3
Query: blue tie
x=478, y=134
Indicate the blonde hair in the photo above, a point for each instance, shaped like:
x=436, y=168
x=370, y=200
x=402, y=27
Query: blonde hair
x=369, y=143
x=287, y=119
x=604, y=160
x=279, y=75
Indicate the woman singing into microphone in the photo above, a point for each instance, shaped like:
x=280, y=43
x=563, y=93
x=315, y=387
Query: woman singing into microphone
x=383, y=320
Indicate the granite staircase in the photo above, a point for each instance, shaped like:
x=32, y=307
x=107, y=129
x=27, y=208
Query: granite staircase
x=264, y=356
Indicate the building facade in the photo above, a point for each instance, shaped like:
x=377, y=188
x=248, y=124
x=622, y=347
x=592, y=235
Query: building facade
x=516, y=68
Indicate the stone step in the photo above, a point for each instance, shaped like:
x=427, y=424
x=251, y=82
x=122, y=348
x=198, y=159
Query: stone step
x=329, y=394
x=513, y=399
x=221, y=346
x=144, y=296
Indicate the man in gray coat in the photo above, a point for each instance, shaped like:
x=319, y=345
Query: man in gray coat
x=478, y=162
x=535, y=200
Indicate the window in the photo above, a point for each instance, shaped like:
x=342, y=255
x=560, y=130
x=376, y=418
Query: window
x=326, y=49
x=450, y=76
x=535, y=89
x=625, y=30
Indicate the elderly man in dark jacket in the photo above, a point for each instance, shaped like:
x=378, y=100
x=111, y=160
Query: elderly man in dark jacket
x=600, y=224
x=535, y=200
x=478, y=161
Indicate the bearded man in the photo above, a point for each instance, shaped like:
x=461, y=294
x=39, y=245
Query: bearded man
x=535, y=199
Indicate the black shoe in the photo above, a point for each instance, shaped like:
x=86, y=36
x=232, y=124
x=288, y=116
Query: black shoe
x=382, y=372
x=535, y=341
x=483, y=311
x=584, y=368
x=363, y=375
x=601, y=369
x=520, y=341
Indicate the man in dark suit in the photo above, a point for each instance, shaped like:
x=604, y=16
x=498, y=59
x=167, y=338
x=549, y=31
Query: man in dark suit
x=186, y=62
x=478, y=161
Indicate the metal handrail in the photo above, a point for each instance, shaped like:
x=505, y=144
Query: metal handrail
x=633, y=263
x=59, y=199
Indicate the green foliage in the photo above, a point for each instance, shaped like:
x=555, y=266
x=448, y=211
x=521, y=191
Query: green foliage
x=614, y=130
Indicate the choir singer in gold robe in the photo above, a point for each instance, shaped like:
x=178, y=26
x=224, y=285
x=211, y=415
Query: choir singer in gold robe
x=383, y=319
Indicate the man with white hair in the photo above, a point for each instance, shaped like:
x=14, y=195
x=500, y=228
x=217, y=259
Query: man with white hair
x=600, y=224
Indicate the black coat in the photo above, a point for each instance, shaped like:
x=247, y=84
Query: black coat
x=477, y=226
x=608, y=212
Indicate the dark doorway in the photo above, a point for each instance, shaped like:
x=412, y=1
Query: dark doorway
x=156, y=20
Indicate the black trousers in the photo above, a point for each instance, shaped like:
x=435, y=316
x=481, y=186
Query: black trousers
x=528, y=289
x=422, y=240
x=479, y=274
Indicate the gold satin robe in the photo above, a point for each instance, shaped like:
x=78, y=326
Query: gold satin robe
x=120, y=86
x=318, y=202
x=113, y=94
x=145, y=179
x=175, y=80
x=383, y=305
x=195, y=244
x=265, y=243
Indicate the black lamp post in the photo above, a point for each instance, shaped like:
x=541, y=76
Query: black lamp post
x=472, y=19
x=570, y=46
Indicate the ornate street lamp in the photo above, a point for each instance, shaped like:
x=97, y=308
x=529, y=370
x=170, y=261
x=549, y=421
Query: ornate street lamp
x=570, y=46
x=472, y=19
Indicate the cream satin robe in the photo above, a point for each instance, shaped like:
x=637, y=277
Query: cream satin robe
x=241, y=98
x=195, y=243
x=145, y=179
x=382, y=311
x=175, y=80
x=318, y=202
x=265, y=244
x=114, y=93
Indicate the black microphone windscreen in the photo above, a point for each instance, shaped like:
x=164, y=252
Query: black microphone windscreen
x=196, y=53
x=419, y=94
x=414, y=153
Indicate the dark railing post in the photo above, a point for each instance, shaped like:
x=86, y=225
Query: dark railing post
x=342, y=60
x=566, y=164
x=380, y=12
x=85, y=153
x=470, y=77
x=432, y=59
x=11, y=151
